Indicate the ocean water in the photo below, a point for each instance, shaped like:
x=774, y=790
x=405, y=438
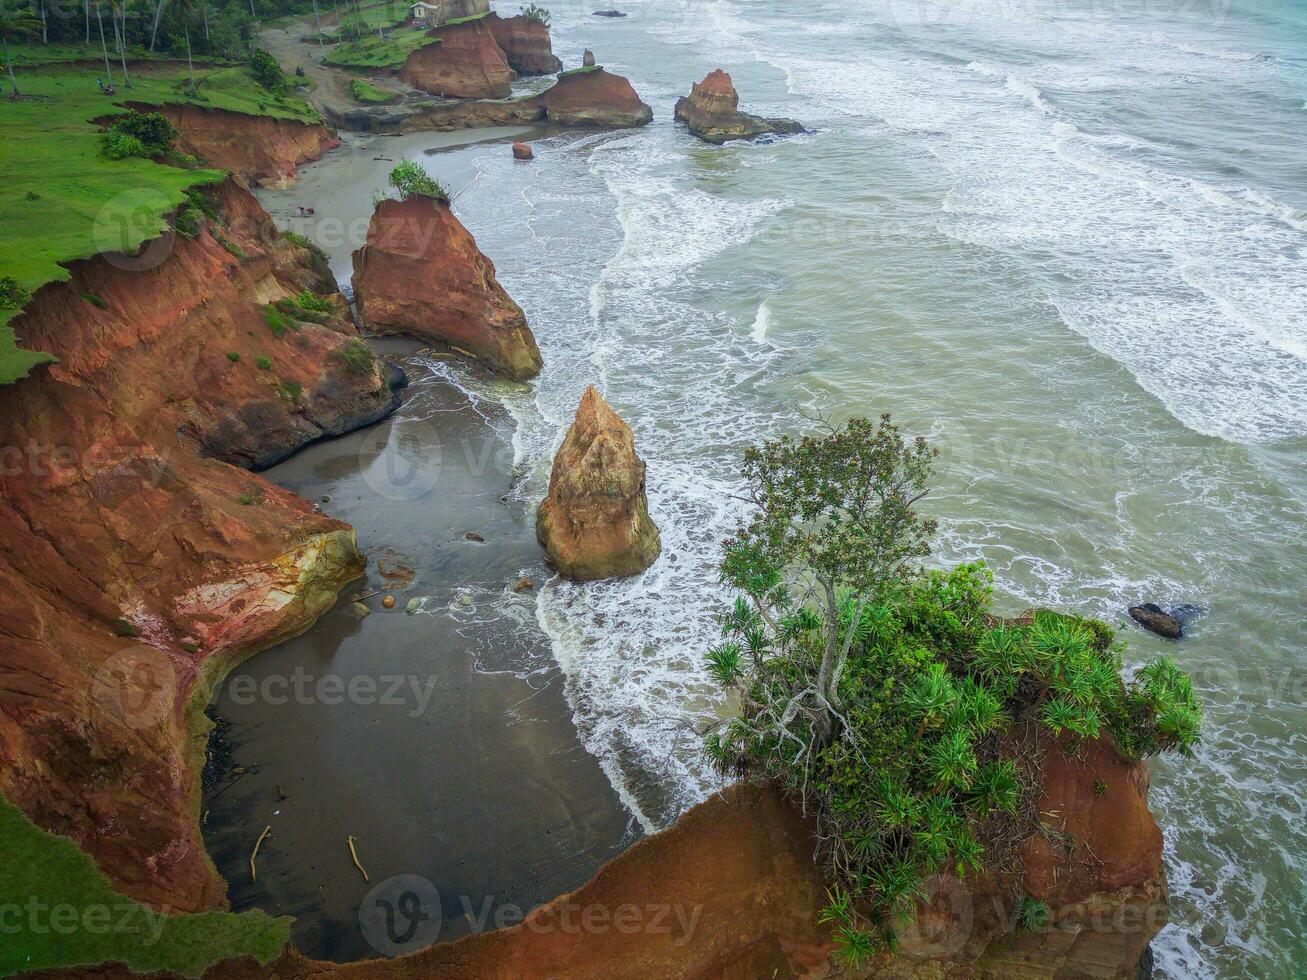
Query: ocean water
x=1067, y=240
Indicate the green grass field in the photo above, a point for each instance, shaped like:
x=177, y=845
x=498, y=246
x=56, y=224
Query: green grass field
x=61, y=200
x=60, y=912
x=372, y=51
x=370, y=94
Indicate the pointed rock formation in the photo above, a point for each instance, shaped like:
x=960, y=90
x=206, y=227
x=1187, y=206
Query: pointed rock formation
x=421, y=274
x=466, y=64
x=711, y=112
x=594, y=523
x=525, y=43
x=593, y=97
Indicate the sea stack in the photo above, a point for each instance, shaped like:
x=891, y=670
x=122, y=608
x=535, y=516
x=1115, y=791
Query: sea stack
x=594, y=523
x=590, y=96
x=421, y=274
x=711, y=112
x=525, y=43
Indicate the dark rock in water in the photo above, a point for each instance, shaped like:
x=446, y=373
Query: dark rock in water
x=711, y=112
x=1155, y=619
x=521, y=151
x=609, y=13
x=473, y=536
x=1144, y=971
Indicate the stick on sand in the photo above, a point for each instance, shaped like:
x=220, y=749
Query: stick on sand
x=355, y=855
x=254, y=874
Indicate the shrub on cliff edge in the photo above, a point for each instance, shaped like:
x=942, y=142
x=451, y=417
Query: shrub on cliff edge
x=887, y=697
x=410, y=179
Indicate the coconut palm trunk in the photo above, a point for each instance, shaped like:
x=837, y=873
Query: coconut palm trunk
x=9, y=64
x=158, y=15
x=120, y=38
x=104, y=48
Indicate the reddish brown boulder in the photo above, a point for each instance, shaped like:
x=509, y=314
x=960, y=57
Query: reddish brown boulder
x=522, y=151
x=421, y=274
x=525, y=43
x=711, y=112
x=595, y=522
x=466, y=64
x=136, y=565
x=593, y=97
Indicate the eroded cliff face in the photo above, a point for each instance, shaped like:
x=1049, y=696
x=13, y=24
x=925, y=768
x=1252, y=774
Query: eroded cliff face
x=261, y=150
x=421, y=274
x=136, y=565
x=466, y=64
x=594, y=98
x=731, y=892
x=594, y=523
x=525, y=43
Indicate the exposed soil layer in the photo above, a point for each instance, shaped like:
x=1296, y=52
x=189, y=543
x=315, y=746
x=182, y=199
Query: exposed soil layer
x=137, y=562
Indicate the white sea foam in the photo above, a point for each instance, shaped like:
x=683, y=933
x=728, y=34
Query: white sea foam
x=761, y=322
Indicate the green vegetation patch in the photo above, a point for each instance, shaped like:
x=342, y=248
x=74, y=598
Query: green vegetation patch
x=61, y=913
x=466, y=20
x=888, y=697
x=372, y=51
x=62, y=198
x=583, y=70
x=370, y=94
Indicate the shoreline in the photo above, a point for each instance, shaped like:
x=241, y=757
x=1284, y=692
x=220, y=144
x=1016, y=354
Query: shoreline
x=442, y=741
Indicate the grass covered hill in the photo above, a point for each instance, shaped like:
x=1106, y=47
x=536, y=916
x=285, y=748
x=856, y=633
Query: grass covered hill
x=63, y=199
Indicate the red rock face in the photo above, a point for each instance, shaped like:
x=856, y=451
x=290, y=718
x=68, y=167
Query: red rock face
x=421, y=274
x=594, y=98
x=525, y=44
x=711, y=112
x=113, y=521
x=595, y=521
x=261, y=150
x=466, y=64
x=715, y=95
x=737, y=896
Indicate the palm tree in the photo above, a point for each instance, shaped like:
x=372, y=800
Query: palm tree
x=104, y=48
x=118, y=14
x=15, y=24
x=187, y=9
x=158, y=14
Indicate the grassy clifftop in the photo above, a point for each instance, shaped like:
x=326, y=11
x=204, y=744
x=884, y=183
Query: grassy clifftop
x=67, y=915
x=62, y=200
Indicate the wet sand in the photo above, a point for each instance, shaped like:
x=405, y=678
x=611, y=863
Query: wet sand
x=440, y=740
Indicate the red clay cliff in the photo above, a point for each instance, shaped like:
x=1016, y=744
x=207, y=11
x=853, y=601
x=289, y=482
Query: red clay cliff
x=525, y=43
x=421, y=274
x=259, y=149
x=593, y=97
x=137, y=564
x=465, y=64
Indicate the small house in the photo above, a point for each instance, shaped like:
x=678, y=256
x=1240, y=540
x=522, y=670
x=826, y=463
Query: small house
x=426, y=14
